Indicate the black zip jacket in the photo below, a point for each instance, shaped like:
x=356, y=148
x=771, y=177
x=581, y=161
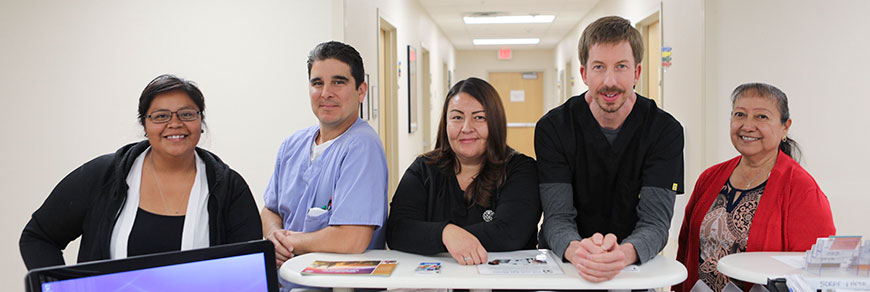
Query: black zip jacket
x=88, y=201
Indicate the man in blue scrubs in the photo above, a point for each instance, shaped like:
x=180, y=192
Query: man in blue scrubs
x=329, y=189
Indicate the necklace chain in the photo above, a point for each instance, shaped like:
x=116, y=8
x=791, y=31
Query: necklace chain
x=159, y=189
x=760, y=172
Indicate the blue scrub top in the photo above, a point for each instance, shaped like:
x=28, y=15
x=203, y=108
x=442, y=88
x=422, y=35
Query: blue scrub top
x=348, y=180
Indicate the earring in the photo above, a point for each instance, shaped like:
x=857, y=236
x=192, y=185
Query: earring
x=146, y=134
x=784, y=138
x=201, y=131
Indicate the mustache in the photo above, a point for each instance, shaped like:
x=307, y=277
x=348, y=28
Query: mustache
x=610, y=89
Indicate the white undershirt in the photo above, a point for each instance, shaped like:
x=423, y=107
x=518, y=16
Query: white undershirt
x=316, y=150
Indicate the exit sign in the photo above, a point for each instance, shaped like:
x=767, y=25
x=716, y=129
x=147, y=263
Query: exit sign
x=504, y=54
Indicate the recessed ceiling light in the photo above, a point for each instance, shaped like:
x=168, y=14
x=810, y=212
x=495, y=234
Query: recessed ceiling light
x=486, y=42
x=509, y=19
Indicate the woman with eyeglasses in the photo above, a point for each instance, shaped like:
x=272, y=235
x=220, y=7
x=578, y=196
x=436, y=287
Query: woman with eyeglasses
x=161, y=194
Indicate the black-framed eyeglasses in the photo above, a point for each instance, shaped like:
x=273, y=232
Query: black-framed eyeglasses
x=164, y=116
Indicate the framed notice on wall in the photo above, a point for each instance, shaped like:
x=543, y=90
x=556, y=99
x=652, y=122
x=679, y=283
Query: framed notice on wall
x=412, y=90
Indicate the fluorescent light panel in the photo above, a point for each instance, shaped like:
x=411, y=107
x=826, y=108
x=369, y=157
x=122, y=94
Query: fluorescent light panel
x=486, y=42
x=509, y=19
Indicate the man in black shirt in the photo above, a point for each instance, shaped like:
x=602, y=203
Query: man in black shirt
x=609, y=161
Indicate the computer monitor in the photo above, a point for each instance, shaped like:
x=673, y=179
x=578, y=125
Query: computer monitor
x=246, y=266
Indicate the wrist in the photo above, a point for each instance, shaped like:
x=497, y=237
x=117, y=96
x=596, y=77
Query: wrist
x=446, y=232
x=271, y=229
x=571, y=251
x=630, y=253
x=447, y=229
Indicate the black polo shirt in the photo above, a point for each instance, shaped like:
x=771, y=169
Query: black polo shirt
x=606, y=179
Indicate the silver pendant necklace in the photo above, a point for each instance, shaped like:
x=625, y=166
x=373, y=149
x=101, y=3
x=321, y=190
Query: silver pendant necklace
x=159, y=189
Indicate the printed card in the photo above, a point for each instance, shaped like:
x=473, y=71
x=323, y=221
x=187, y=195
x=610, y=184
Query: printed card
x=428, y=268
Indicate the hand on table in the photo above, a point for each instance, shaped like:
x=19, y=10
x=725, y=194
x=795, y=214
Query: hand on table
x=463, y=246
x=599, y=257
x=283, y=246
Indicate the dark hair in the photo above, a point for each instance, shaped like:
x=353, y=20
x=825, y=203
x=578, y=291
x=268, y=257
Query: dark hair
x=610, y=30
x=789, y=146
x=166, y=83
x=492, y=172
x=342, y=52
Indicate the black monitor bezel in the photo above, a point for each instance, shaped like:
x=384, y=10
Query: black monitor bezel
x=34, y=278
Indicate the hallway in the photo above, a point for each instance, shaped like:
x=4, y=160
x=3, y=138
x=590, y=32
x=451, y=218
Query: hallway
x=72, y=72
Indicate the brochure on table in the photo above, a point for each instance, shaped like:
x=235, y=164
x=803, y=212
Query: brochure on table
x=522, y=262
x=372, y=268
x=839, y=252
x=833, y=263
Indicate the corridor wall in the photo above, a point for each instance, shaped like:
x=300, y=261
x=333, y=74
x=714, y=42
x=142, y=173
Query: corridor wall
x=72, y=73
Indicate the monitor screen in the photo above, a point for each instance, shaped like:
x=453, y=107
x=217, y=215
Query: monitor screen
x=237, y=267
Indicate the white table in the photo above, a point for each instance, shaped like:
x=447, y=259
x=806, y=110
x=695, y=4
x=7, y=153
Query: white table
x=757, y=267
x=658, y=272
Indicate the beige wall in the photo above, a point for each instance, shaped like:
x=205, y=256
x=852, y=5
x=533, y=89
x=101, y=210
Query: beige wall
x=817, y=53
x=478, y=63
x=413, y=27
x=810, y=50
x=682, y=89
x=72, y=73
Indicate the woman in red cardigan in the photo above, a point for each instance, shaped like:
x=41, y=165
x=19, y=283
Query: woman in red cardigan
x=761, y=200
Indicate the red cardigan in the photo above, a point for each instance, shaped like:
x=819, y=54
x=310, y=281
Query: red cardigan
x=792, y=213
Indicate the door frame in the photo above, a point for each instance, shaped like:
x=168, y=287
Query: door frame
x=388, y=98
x=643, y=27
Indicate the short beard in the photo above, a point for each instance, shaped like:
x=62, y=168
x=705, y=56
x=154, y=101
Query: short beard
x=610, y=89
x=608, y=110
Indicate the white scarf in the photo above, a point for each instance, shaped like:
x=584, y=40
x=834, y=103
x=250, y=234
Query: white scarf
x=195, y=232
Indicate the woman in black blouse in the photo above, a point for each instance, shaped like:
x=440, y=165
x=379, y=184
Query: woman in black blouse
x=473, y=193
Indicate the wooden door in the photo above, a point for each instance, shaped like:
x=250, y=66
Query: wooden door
x=569, y=82
x=522, y=94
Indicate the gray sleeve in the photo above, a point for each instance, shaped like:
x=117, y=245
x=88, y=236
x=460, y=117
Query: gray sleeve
x=654, y=212
x=559, y=227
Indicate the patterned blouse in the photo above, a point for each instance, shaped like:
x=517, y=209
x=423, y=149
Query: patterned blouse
x=725, y=230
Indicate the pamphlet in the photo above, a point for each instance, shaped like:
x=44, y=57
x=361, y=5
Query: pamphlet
x=833, y=250
x=372, y=268
x=523, y=262
x=844, y=242
x=429, y=268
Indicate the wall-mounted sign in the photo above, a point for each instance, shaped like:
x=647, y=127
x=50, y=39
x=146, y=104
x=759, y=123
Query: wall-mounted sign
x=504, y=54
x=530, y=75
x=666, y=58
x=518, y=95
